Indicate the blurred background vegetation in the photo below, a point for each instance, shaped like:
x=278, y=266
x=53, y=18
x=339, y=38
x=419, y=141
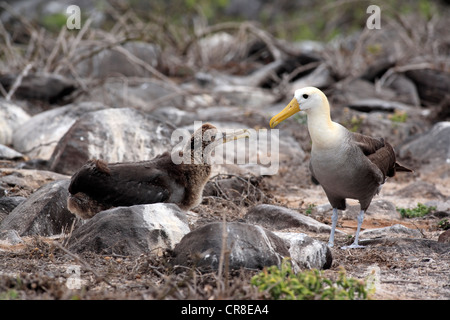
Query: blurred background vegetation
x=291, y=20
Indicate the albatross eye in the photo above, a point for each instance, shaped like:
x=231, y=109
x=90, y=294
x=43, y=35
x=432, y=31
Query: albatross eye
x=305, y=96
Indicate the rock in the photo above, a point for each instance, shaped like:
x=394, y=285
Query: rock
x=433, y=145
x=358, y=89
x=420, y=189
x=433, y=85
x=38, y=136
x=373, y=104
x=306, y=252
x=131, y=230
x=278, y=218
x=406, y=89
x=444, y=237
x=381, y=209
x=114, y=135
x=236, y=95
x=121, y=61
x=146, y=95
x=7, y=153
x=441, y=206
x=11, y=117
x=247, y=246
x=320, y=78
x=44, y=213
x=395, y=231
x=407, y=246
x=11, y=236
x=50, y=88
x=26, y=181
x=8, y=204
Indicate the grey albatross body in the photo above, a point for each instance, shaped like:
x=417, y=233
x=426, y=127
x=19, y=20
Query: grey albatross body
x=98, y=185
x=347, y=165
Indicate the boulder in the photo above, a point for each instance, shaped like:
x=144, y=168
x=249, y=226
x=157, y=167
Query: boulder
x=7, y=153
x=121, y=61
x=44, y=213
x=247, y=246
x=278, y=218
x=8, y=204
x=433, y=145
x=11, y=117
x=306, y=252
x=38, y=136
x=395, y=231
x=114, y=135
x=131, y=230
x=45, y=87
x=145, y=94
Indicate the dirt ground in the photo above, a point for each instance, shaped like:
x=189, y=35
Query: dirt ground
x=41, y=268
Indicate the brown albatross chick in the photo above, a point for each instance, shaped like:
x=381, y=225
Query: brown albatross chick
x=98, y=185
x=346, y=164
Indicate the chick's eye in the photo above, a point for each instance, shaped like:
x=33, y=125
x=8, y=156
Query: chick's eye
x=305, y=96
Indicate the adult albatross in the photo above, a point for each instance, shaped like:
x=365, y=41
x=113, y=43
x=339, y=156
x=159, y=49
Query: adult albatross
x=98, y=185
x=346, y=164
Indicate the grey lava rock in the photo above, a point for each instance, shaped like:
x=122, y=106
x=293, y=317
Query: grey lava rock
x=131, y=230
x=278, y=218
x=11, y=117
x=38, y=136
x=397, y=230
x=431, y=145
x=44, y=213
x=114, y=135
x=306, y=252
x=247, y=246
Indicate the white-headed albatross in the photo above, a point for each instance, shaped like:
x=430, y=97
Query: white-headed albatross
x=98, y=185
x=346, y=164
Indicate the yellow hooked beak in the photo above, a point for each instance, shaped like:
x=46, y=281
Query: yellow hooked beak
x=291, y=109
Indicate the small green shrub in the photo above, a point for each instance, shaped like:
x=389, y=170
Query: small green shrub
x=444, y=224
x=420, y=211
x=398, y=116
x=283, y=284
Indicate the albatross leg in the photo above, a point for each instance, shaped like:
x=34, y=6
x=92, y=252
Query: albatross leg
x=334, y=219
x=355, y=244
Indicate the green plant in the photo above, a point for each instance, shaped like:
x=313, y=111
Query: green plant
x=282, y=283
x=420, y=211
x=398, y=116
x=310, y=208
x=444, y=224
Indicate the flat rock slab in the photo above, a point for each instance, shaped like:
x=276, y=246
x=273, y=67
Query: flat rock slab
x=44, y=213
x=408, y=246
x=395, y=231
x=131, y=230
x=247, y=246
x=279, y=218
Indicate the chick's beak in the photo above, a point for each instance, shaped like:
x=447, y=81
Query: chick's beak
x=291, y=109
x=235, y=135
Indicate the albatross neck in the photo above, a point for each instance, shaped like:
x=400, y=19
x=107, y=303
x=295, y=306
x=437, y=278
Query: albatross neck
x=323, y=131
